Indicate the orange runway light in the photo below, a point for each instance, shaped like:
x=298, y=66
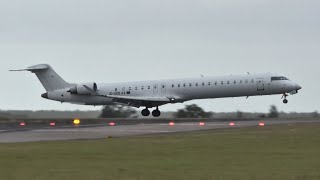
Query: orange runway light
x=112, y=124
x=202, y=124
x=22, y=124
x=171, y=124
x=232, y=124
x=76, y=121
x=52, y=123
x=261, y=124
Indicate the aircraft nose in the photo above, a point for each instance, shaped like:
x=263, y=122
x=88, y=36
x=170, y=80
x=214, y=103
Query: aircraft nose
x=298, y=87
x=44, y=95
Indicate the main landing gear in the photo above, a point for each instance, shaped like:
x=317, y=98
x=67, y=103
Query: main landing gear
x=285, y=100
x=145, y=112
x=155, y=113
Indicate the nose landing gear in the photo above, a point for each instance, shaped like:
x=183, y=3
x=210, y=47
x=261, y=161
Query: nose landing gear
x=284, y=97
x=285, y=101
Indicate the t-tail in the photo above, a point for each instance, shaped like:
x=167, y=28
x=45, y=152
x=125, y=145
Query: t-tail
x=50, y=80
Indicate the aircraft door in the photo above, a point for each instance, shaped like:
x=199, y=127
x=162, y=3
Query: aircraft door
x=163, y=88
x=123, y=91
x=155, y=88
x=260, y=84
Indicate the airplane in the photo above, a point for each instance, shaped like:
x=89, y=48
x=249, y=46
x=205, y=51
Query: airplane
x=152, y=94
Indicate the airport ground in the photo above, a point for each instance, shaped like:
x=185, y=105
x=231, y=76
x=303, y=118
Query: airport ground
x=278, y=152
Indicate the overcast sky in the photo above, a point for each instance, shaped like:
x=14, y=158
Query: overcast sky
x=125, y=40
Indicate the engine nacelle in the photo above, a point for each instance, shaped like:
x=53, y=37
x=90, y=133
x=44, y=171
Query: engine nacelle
x=84, y=89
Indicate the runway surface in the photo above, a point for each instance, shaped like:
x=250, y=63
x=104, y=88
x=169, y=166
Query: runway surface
x=74, y=133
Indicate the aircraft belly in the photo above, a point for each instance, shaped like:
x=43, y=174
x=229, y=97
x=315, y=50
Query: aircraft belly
x=80, y=99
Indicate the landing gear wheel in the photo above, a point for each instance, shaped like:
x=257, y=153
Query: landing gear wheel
x=156, y=113
x=145, y=112
x=285, y=95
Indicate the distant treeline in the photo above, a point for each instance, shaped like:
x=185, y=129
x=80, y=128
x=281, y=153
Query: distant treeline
x=190, y=111
x=194, y=111
x=49, y=114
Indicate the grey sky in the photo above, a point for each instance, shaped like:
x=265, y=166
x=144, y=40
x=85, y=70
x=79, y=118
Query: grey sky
x=124, y=40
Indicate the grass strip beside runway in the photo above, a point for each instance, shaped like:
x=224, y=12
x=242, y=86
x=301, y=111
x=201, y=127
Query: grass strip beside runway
x=264, y=153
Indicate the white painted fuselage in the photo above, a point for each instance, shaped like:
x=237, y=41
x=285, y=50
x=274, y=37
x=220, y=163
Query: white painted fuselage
x=180, y=90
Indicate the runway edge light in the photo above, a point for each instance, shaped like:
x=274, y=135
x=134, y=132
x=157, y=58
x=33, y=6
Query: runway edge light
x=261, y=124
x=171, y=124
x=202, y=124
x=76, y=121
x=232, y=124
x=112, y=123
x=22, y=124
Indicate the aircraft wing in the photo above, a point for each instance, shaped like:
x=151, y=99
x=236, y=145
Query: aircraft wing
x=137, y=98
x=138, y=101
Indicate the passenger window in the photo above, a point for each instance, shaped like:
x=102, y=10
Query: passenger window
x=221, y=82
x=196, y=84
x=209, y=83
x=228, y=82
x=215, y=83
x=149, y=87
x=252, y=81
x=116, y=89
x=142, y=87
x=184, y=84
x=178, y=85
x=190, y=84
x=172, y=85
x=129, y=88
x=203, y=84
x=136, y=88
x=246, y=80
x=240, y=81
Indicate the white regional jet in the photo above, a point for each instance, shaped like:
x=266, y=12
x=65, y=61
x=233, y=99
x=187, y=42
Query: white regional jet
x=155, y=93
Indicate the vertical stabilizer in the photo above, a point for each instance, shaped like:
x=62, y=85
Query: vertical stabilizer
x=48, y=77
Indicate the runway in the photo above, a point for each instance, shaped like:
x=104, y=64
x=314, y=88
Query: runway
x=100, y=132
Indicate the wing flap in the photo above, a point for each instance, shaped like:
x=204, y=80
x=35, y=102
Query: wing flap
x=137, y=98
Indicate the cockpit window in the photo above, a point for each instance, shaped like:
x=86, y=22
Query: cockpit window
x=280, y=78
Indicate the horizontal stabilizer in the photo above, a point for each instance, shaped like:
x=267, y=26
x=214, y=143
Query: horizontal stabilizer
x=34, y=68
